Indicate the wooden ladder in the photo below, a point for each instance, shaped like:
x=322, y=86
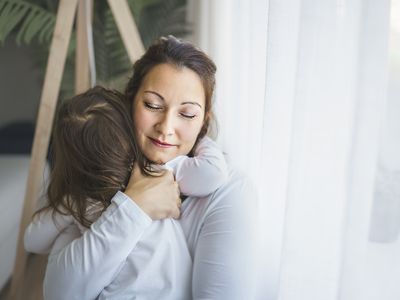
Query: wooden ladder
x=51, y=87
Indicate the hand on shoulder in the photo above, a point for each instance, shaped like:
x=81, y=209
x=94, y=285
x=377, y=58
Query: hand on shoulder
x=157, y=196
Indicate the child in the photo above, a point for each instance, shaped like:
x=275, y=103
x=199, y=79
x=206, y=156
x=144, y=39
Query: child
x=94, y=150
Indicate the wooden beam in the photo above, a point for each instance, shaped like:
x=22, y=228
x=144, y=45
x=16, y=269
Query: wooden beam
x=48, y=101
x=127, y=28
x=82, y=82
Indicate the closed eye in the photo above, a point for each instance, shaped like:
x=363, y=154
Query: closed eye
x=152, y=106
x=188, y=116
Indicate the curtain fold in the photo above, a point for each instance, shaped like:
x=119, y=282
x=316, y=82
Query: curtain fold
x=302, y=94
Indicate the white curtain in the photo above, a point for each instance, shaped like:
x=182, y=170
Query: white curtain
x=222, y=29
x=308, y=102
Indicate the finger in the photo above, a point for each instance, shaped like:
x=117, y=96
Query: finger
x=176, y=213
x=169, y=176
x=177, y=188
x=179, y=202
x=176, y=185
x=136, y=172
x=155, y=170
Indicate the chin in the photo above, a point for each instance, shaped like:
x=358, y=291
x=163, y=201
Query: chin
x=160, y=160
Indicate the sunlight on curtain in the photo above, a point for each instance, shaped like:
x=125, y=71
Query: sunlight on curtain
x=371, y=266
x=233, y=33
x=308, y=104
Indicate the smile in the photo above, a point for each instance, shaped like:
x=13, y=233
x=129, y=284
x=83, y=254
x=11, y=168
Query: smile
x=160, y=144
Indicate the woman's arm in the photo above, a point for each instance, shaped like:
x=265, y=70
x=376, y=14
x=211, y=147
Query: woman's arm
x=221, y=236
x=43, y=230
x=81, y=269
x=202, y=174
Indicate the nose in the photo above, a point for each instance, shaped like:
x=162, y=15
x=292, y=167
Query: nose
x=166, y=125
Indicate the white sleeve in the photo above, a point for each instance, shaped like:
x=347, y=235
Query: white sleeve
x=202, y=174
x=42, y=231
x=89, y=263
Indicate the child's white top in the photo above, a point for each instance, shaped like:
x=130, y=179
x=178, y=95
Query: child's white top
x=158, y=264
x=202, y=174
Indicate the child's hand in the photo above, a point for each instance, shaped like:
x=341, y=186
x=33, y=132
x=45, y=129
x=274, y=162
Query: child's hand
x=157, y=196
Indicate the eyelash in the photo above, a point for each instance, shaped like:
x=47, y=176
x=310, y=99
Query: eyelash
x=152, y=106
x=188, y=117
x=157, y=108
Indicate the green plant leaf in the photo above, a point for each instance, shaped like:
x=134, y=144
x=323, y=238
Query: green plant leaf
x=27, y=19
x=10, y=16
x=33, y=22
x=47, y=30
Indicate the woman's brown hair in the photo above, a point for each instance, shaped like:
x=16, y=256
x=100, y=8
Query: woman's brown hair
x=179, y=54
x=93, y=150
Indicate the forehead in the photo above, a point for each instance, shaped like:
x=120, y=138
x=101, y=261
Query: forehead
x=174, y=83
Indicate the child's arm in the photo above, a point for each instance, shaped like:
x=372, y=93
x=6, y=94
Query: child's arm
x=202, y=174
x=43, y=230
x=101, y=250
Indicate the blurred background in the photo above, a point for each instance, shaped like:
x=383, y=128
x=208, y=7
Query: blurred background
x=308, y=105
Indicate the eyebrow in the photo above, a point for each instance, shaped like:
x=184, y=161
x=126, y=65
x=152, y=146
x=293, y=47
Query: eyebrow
x=183, y=103
x=155, y=93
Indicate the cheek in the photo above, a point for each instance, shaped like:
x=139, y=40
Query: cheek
x=142, y=120
x=190, y=132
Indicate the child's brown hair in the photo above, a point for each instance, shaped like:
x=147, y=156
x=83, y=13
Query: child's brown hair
x=93, y=151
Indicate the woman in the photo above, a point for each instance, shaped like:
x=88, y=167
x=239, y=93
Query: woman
x=171, y=91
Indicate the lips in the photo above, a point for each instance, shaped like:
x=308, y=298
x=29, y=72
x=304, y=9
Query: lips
x=159, y=143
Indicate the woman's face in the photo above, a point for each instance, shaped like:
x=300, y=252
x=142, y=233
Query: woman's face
x=168, y=112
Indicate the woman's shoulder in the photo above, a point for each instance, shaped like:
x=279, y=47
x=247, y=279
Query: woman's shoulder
x=237, y=191
x=237, y=188
x=237, y=179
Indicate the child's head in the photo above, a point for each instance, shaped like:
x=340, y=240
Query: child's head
x=93, y=150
